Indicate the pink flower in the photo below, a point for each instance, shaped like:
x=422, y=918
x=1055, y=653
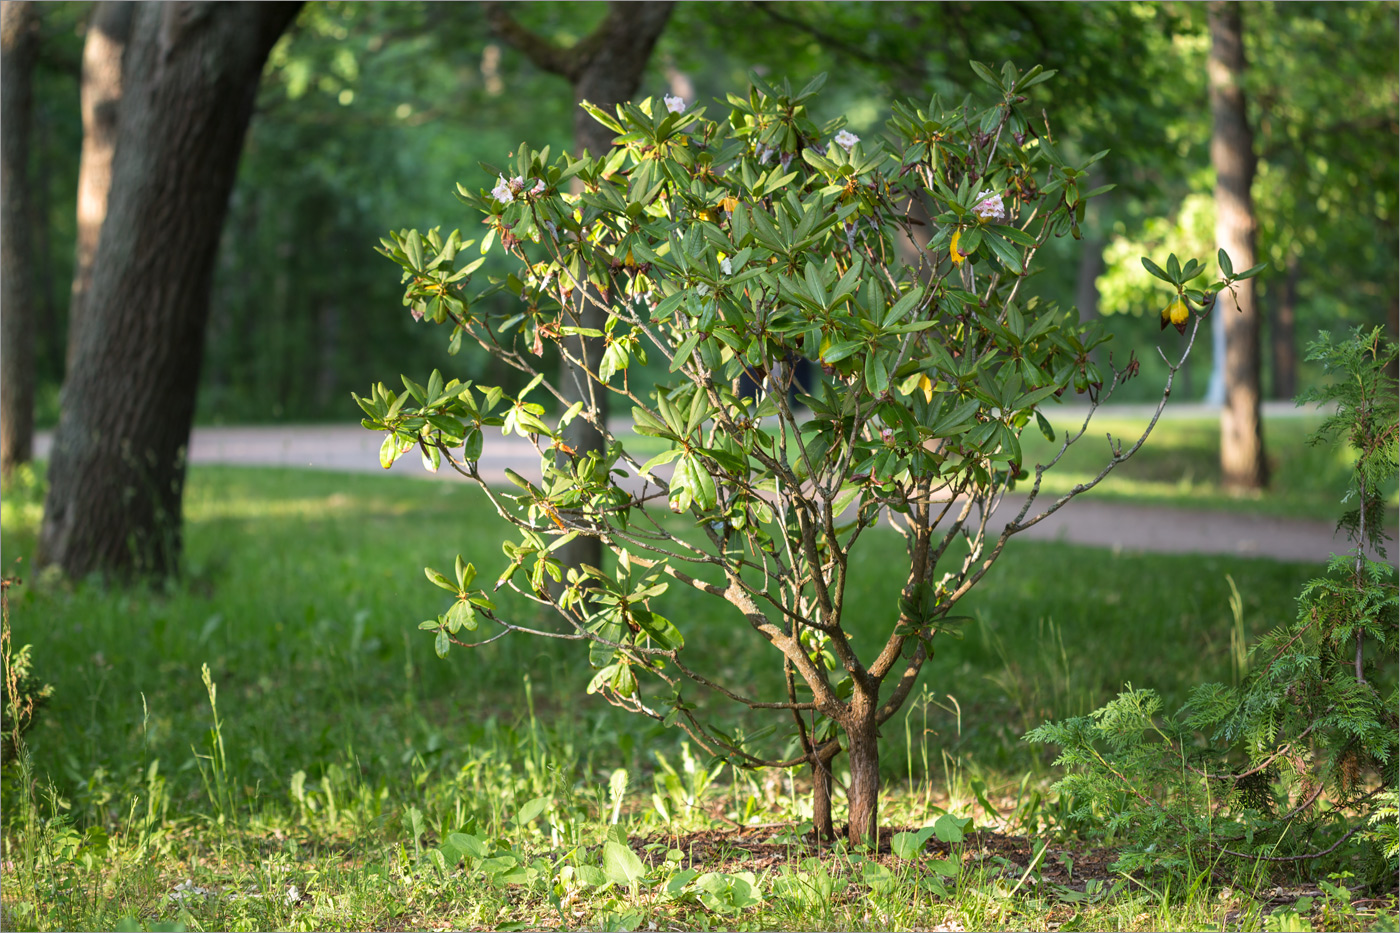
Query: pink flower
x=674, y=103
x=502, y=192
x=989, y=207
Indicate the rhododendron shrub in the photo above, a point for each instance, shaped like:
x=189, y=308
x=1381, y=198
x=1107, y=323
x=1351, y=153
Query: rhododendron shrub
x=733, y=249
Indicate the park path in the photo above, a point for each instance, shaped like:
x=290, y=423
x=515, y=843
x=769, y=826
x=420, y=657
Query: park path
x=1154, y=529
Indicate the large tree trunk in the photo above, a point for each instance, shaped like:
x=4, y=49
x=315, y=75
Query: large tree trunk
x=1282, y=334
x=190, y=76
x=19, y=43
x=605, y=69
x=107, y=36
x=1242, y=462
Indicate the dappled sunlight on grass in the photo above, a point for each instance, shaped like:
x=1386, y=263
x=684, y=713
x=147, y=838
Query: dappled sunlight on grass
x=302, y=594
x=201, y=509
x=1179, y=465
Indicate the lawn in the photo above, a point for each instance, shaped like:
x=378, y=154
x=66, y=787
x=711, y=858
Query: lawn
x=271, y=744
x=1180, y=464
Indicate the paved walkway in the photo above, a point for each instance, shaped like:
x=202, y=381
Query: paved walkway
x=350, y=448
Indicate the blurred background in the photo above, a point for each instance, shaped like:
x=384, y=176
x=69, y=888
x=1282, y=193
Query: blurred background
x=368, y=114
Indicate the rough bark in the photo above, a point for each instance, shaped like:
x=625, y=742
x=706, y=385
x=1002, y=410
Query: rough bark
x=18, y=50
x=190, y=76
x=821, y=794
x=605, y=68
x=1242, y=461
x=1282, y=334
x=47, y=338
x=101, y=95
x=863, y=793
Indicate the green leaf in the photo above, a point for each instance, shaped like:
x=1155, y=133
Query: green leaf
x=473, y=445
x=682, y=354
x=621, y=864
x=532, y=809
x=461, y=615
x=666, y=456
x=903, y=306
x=624, y=682
x=959, y=419
x=1005, y=252
x=985, y=74
x=910, y=846
x=659, y=628
x=699, y=410
x=950, y=829
x=877, y=374
x=442, y=643
x=467, y=845
x=440, y=579
x=388, y=451
x=1019, y=237
x=1156, y=270
x=691, y=482
x=432, y=458
x=836, y=352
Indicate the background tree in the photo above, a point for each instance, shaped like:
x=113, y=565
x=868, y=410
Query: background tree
x=364, y=107
x=19, y=22
x=604, y=68
x=1242, y=461
x=1322, y=92
x=190, y=76
x=107, y=34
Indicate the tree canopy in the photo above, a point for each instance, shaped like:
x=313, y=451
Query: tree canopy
x=368, y=112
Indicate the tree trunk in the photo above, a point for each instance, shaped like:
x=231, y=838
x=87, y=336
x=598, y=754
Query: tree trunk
x=47, y=351
x=190, y=77
x=107, y=36
x=821, y=795
x=19, y=42
x=863, y=794
x=1282, y=335
x=1091, y=263
x=1086, y=288
x=1242, y=461
x=605, y=69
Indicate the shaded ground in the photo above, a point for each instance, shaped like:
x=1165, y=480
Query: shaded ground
x=1068, y=868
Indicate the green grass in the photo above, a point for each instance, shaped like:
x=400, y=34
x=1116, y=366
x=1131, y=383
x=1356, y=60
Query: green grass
x=335, y=750
x=1179, y=466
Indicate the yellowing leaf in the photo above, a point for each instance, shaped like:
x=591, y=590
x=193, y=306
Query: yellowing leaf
x=1176, y=314
x=953, y=248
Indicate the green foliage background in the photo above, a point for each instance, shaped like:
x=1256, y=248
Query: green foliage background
x=370, y=113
